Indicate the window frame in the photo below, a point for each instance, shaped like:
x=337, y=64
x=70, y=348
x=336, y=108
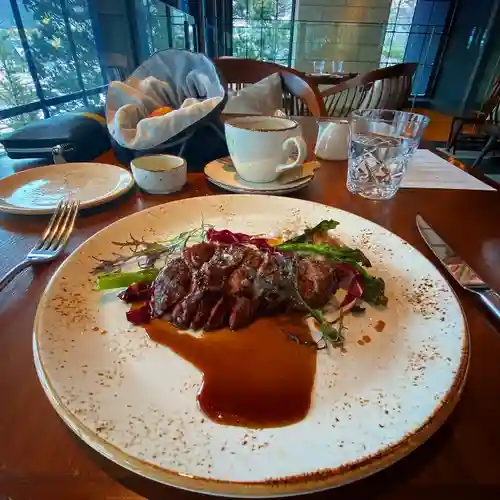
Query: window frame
x=44, y=103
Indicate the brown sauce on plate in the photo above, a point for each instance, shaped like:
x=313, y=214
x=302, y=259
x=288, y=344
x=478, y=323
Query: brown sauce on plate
x=254, y=377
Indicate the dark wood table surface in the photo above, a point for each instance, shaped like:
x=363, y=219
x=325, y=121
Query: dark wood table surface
x=40, y=458
x=330, y=78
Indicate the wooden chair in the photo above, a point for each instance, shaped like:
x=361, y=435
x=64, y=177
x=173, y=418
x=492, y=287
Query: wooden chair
x=475, y=138
x=300, y=96
x=384, y=88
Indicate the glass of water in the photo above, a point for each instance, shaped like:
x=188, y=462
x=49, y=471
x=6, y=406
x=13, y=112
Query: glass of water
x=337, y=67
x=319, y=66
x=382, y=143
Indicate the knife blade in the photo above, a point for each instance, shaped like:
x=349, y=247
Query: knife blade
x=465, y=276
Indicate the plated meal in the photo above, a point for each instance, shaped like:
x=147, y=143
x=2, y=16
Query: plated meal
x=228, y=279
x=265, y=331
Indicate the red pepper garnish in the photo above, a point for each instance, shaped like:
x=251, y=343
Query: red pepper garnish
x=351, y=280
x=227, y=237
x=136, y=292
x=139, y=316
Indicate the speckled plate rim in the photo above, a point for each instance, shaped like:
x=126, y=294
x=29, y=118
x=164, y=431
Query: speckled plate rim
x=283, y=486
x=16, y=210
x=264, y=192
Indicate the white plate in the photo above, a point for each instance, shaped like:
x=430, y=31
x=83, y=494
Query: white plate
x=134, y=401
x=38, y=190
x=225, y=177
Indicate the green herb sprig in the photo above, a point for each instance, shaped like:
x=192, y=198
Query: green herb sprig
x=147, y=253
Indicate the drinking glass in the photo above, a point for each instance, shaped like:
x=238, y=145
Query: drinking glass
x=319, y=66
x=381, y=144
x=337, y=67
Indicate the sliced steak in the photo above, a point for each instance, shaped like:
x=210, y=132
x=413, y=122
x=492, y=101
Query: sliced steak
x=170, y=286
x=272, y=284
x=214, y=273
x=212, y=286
x=241, y=280
x=205, y=306
x=243, y=312
x=218, y=315
x=197, y=255
x=186, y=309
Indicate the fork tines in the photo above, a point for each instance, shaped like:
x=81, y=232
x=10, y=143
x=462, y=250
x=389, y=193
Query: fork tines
x=61, y=225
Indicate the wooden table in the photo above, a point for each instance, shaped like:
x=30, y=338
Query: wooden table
x=330, y=78
x=40, y=458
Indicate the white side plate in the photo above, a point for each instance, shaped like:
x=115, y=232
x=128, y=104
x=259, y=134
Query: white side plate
x=38, y=190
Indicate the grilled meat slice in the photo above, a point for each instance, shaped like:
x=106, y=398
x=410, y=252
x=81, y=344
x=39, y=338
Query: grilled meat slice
x=170, y=286
x=243, y=312
x=196, y=255
x=272, y=285
x=241, y=280
x=316, y=279
x=205, y=306
x=214, y=273
x=218, y=314
x=185, y=310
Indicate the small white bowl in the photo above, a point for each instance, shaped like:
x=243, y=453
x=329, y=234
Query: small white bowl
x=159, y=174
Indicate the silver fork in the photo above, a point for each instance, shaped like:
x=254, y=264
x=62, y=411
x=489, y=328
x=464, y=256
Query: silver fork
x=52, y=241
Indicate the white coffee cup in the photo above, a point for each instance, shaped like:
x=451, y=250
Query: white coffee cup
x=261, y=146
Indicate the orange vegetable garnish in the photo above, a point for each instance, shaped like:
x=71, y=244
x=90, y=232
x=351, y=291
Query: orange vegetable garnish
x=161, y=111
x=274, y=241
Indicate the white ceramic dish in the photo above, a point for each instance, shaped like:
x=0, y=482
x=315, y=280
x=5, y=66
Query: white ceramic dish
x=159, y=174
x=38, y=190
x=261, y=146
x=226, y=177
x=134, y=401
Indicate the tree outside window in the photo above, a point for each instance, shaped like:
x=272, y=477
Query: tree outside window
x=262, y=29
x=62, y=68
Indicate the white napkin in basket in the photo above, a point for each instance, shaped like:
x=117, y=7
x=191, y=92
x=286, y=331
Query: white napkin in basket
x=129, y=103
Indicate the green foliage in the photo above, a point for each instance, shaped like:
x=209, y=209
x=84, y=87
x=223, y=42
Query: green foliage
x=49, y=45
x=262, y=31
x=14, y=89
x=13, y=92
x=51, y=50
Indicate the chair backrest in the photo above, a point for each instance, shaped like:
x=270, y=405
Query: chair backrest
x=300, y=96
x=387, y=88
x=491, y=107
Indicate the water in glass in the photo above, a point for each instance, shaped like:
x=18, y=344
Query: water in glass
x=337, y=66
x=319, y=66
x=382, y=143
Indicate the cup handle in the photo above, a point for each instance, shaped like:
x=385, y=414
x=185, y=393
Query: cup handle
x=301, y=147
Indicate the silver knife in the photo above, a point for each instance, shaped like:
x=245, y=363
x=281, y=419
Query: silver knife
x=458, y=268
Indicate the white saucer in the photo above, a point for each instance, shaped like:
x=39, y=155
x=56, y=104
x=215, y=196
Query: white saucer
x=38, y=190
x=225, y=176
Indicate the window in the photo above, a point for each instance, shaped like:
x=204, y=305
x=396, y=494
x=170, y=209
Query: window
x=48, y=60
x=263, y=29
x=414, y=33
x=163, y=27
